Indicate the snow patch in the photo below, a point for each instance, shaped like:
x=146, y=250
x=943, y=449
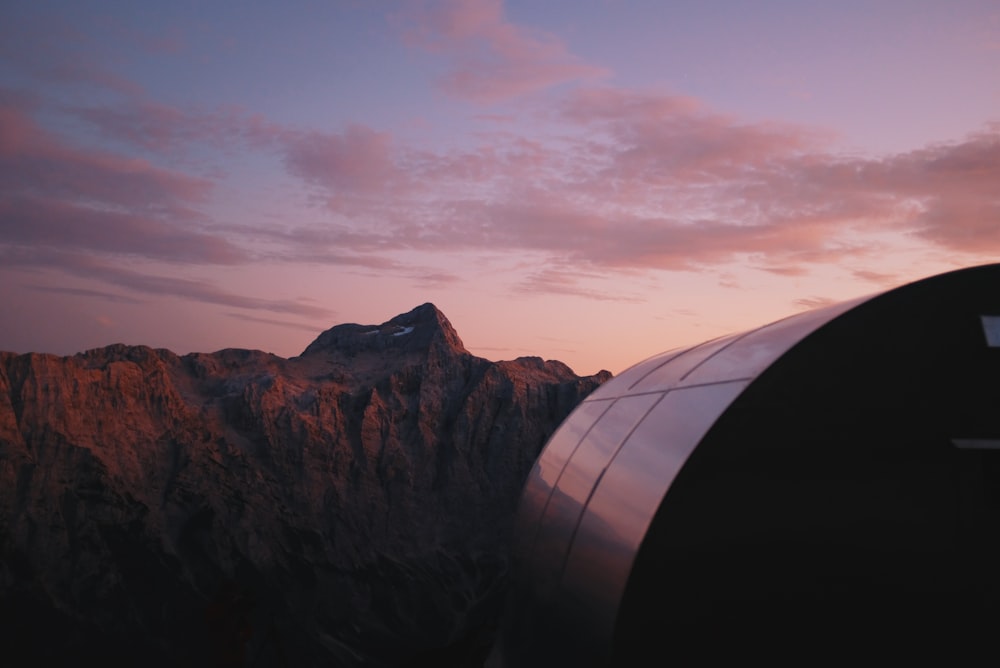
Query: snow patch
x=405, y=330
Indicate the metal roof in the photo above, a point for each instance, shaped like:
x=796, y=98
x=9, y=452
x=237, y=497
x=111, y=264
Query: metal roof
x=599, y=490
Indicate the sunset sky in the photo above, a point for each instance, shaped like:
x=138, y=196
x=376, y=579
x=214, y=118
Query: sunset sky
x=593, y=181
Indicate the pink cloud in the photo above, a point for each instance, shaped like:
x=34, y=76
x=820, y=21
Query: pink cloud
x=501, y=158
x=439, y=24
x=956, y=185
x=645, y=181
x=35, y=163
x=164, y=129
x=491, y=58
x=44, y=223
x=356, y=161
x=660, y=139
x=83, y=292
x=154, y=127
x=147, y=283
x=814, y=302
x=943, y=194
x=288, y=324
x=879, y=277
x=432, y=278
x=620, y=105
x=51, y=49
x=785, y=270
x=635, y=181
x=82, y=211
x=172, y=132
x=657, y=182
x=568, y=282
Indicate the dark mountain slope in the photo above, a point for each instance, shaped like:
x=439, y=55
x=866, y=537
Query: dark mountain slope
x=360, y=495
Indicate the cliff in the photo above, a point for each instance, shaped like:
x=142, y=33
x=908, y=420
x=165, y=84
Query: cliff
x=359, y=496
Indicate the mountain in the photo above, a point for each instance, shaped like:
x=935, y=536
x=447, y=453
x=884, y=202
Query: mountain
x=352, y=504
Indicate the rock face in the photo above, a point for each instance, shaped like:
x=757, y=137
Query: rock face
x=359, y=496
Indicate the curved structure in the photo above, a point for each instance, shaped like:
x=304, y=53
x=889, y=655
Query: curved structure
x=830, y=480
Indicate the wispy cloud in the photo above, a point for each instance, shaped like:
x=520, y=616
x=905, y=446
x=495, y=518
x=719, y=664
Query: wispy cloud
x=53, y=50
x=165, y=129
x=557, y=281
x=41, y=223
x=491, y=58
x=814, y=302
x=36, y=163
x=658, y=139
x=646, y=181
x=629, y=181
x=430, y=278
x=879, y=277
x=145, y=282
x=83, y=292
x=357, y=161
x=58, y=196
x=289, y=324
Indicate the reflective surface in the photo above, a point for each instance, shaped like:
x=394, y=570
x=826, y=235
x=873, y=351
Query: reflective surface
x=547, y=470
x=626, y=497
x=991, y=330
x=819, y=433
x=572, y=490
x=626, y=379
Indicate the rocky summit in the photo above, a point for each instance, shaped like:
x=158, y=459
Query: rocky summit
x=347, y=507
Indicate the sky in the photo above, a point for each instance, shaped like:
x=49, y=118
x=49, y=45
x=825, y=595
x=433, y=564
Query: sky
x=590, y=181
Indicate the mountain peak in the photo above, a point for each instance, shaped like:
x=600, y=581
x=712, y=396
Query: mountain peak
x=418, y=329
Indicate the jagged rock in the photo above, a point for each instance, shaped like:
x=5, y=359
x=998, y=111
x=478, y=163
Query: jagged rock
x=362, y=493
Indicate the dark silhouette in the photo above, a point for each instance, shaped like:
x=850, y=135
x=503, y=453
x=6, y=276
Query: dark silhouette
x=272, y=645
x=469, y=651
x=376, y=470
x=229, y=627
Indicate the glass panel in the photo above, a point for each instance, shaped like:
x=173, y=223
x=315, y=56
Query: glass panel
x=976, y=443
x=628, y=495
x=573, y=489
x=753, y=352
x=991, y=328
x=619, y=385
x=547, y=469
x=668, y=375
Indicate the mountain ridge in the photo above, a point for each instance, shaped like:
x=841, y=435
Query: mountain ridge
x=371, y=484
x=421, y=327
